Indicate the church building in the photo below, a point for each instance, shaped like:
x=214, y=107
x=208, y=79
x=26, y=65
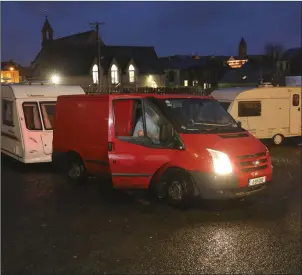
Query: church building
x=74, y=60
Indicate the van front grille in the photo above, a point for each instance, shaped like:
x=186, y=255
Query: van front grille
x=252, y=163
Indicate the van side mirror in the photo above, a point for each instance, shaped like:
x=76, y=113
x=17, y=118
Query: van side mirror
x=165, y=133
x=239, y=124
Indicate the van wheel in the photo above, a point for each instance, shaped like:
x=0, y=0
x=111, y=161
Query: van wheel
x=278, y=139
x=180, y=189
x=76, y=170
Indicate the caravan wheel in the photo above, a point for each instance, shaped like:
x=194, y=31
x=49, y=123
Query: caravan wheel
x=278, y=139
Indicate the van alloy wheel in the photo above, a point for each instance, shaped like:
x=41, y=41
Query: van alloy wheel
x=75, y=171
x=277, y=139
x=175, y=190
x=180, y=188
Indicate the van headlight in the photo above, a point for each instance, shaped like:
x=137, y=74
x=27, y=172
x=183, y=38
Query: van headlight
x=221, y=162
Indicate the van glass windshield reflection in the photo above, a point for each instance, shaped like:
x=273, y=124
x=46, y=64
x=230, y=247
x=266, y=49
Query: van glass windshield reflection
x=225, y=105
x=198, y=115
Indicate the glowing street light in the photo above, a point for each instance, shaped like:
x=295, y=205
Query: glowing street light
x=55, y=79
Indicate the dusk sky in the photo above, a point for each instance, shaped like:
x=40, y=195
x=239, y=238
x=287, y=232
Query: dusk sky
x=205, y=28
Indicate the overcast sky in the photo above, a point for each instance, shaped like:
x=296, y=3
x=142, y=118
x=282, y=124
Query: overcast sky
x=171, y=27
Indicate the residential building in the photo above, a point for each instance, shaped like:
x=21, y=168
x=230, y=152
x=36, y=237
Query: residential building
x=193, y=70
x=10, y=72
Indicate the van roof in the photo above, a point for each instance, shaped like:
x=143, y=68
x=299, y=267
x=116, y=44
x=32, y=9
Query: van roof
x=47, y=91
x=230, y=94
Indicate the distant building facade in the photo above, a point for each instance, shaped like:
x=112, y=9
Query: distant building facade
x=12, y=72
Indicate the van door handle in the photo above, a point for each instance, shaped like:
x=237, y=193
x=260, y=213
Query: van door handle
x=110, y=146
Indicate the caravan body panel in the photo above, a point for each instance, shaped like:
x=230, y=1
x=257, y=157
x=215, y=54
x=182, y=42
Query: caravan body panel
x=27, y=113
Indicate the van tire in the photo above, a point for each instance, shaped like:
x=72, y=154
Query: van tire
x=180, y=188
x=76, y=170
x=278, y=139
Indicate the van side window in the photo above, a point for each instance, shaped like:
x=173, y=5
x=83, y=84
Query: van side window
x=134, y=125
x=249, y=108
x=126, y=114
x=48, y=110
x=32, y=116
x=296, y=100
x=7, y=113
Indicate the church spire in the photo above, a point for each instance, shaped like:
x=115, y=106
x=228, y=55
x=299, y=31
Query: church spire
x=242, y=49
x=47, y=32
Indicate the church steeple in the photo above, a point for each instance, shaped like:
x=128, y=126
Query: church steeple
x=47, y=32
x=242, y=49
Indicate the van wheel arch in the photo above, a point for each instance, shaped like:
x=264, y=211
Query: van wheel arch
x=160, y=187
x=76, y=170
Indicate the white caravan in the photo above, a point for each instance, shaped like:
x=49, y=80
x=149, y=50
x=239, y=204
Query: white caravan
x=27, y=119
x=266, y=112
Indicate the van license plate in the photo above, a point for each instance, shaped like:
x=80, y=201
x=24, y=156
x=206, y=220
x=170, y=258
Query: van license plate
x=256, y=181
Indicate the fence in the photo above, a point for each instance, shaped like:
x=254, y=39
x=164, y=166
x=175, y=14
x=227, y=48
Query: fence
x=146, y=90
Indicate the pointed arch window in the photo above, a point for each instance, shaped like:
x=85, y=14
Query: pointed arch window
x=114, y=74
x=95, y=74
x=131, y=71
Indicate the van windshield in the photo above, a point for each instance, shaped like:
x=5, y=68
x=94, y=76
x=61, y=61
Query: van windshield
x=48, y=110
x=198, y=115
x=225, y=105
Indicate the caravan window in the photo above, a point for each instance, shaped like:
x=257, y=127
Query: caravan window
x=32, y=116
x=296, y=100
x=249, y=108
x=7, y=113
x=48, y=110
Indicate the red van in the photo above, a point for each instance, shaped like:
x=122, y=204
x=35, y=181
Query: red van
x=184, y=146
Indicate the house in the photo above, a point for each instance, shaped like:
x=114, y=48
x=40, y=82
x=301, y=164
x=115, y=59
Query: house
x=250, y=74
x=74, y=60
x=12, y=72
x=193, y=70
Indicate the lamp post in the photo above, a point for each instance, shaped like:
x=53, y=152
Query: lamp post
x=96, y=25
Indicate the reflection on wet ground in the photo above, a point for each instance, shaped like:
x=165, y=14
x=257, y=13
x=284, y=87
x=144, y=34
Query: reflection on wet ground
x=50, y=226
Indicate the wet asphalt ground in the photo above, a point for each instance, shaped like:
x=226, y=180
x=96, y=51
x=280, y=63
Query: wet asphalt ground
x=50, y=226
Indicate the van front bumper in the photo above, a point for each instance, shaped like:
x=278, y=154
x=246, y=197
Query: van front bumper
x=210, y=186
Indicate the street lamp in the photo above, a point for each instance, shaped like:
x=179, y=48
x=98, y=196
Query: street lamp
x=55, y=79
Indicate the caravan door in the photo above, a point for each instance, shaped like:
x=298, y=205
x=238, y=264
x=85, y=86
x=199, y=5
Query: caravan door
x=295, y=113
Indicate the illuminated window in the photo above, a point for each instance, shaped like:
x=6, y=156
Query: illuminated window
x=153, y=84
x=114, y=74
x=186, y=83
x=195, y=82
x=131, y=73
x=95, y=74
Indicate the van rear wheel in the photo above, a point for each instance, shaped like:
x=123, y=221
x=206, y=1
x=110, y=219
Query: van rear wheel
x=76, y=170
x=180, y=189
x=278, y=139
